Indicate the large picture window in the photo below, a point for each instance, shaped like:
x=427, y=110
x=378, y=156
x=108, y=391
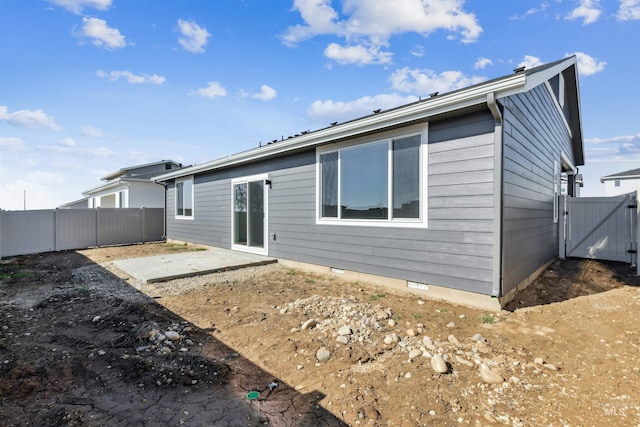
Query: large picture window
x=184, y=198
x=376, y=182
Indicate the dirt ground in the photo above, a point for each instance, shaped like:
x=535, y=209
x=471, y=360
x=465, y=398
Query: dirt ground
x=82, y=344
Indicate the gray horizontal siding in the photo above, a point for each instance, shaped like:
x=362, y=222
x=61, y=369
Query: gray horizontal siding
x=454, y=251
x=534, y=137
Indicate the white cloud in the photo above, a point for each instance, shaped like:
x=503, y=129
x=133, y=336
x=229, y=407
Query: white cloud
x=193, y=37
x=91, y=132
x=103, y=36
x=482, y=63
x=624, y=148
x=329, y=111
x=369, y=24
x=37, y=189
x=12, y=144
x=588, y=10
x=67, y=142
x=28, y=118
x=212, y=90
x=133, y=79
x=419, y=81
x=587, y=65
x=357, y=54
x=530, y=62
x=76, y=6
x=417, y=51
x=629, y=10
x=267, y=93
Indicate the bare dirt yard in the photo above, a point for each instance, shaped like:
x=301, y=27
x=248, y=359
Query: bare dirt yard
x=82, y=344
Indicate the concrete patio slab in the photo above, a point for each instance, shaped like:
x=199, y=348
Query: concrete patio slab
x=161, y=268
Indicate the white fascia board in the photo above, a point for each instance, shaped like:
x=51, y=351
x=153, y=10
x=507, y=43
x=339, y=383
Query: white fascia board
x=420, y=110
x=538, y=78
x=105, y=187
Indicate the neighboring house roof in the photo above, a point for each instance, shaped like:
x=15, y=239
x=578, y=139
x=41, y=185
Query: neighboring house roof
x=131, y=169
x=131, y=174
x=630, y=174
x=75, y=202
x=115, y=183
x=434, y=106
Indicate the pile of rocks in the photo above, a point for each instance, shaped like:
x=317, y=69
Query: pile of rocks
x=164, y=340
x=348, y=321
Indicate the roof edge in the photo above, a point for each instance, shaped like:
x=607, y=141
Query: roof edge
x=422, y=109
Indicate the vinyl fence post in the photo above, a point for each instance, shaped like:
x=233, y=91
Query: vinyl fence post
x=142, y=230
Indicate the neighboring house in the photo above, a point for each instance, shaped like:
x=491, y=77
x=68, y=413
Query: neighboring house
x=131, y=187
x=621, y=183
x=76, y=204
x=455, y=195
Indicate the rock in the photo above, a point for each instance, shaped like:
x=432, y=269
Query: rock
x=550, y=366
x=538, y=361
x=309, y=324
x=478, y=338
x=414, y=353
x=391, y=339
x=453, y=340
x=411, y=332
x=490, y=377
x=464, y=361
x=407, y=375
x=344, y=330
x=96, y=319
x=451, y=325
x=172, y=335
x=391, y=322
x=438, y=364
x=342, y=339
x=323, y=354
x=427, y=342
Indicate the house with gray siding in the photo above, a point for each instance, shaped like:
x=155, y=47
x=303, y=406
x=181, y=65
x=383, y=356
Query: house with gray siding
x=129, y=187
x=454, y=196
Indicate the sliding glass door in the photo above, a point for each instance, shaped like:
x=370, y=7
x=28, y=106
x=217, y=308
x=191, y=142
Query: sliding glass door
x=249, y=220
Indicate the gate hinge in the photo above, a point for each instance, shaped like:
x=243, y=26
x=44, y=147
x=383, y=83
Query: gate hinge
x=632, y=251
x=632, y=206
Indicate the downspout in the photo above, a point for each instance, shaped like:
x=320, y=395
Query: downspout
x=164, y=217
x=496, y=290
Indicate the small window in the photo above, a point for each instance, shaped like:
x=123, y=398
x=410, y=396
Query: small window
x=184, y=198
x=616, y=183
x=373, y=183
x=121, y=200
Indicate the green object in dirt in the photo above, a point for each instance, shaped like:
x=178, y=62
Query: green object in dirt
x=253, y=395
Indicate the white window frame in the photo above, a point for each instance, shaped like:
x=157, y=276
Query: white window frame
x=421, y=222
x=193, y=200
x=246, y=180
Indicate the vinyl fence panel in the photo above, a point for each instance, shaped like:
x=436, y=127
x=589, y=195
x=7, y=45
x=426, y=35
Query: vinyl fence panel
x=26, y=232
x=76, y=228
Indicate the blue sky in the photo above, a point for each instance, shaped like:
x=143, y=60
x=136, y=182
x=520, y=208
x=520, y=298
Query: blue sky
x=90, y=86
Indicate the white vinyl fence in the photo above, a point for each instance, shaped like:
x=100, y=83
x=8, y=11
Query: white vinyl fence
x=603, y=228
x=28, y=232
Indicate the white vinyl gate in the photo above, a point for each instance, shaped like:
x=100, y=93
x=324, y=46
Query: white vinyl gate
x=604, y=228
